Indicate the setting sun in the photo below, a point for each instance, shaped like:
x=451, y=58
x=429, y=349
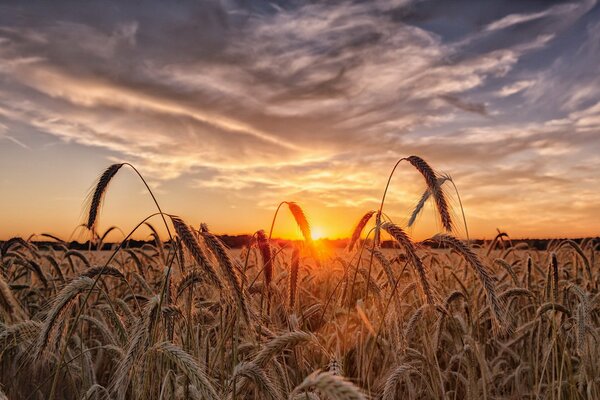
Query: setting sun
x=317, y=233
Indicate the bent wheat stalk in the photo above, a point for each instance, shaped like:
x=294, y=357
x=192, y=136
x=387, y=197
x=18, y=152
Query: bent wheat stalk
x=229, y=270
x=359, y=229
x=402, y=238
x=485, y=277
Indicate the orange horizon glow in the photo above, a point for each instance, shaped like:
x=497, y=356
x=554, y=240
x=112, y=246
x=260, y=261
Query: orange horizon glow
x=127, y=202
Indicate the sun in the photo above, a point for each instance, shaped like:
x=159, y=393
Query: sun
x=316, y=233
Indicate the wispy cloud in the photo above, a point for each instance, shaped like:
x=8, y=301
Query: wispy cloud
x=516, y=19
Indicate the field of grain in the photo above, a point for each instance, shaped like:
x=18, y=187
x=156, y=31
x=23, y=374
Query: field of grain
x=187, y=318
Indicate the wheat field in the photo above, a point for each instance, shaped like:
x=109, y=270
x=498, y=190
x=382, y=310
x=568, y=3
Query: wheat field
x=185, y=317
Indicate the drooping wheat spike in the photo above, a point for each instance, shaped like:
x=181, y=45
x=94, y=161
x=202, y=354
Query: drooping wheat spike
x=554, y=265
x=359, y=229
x=139, y=342
x=407, y=289
x=96, y=391
x=8, y=301
x=452, y=297
x=265, y=253
x=581, y=254
x=301, y=220
x=515, y=292
x=279, y=343
x=387, y=268
x=402, y=238
x=424, y=197
x=55, y=267
x=581, y=329
x=102, y=328
x=393, y=379
x=386, y=265
x=191, y=243
x=95, y=199
x=186, y=281
x=486, y=278
x=293, y=277
x=259, y=377
x=493, y=243
x=25, y=331
x=437, y=191
x=583, y=300
x=411, y=325
x=552, y=306
x=192, y=370
x=509, y=269
x=275, y=346
x=16, y=242
x=332, y=386
x=305, y=396
x=229, y=271
x=60, y=306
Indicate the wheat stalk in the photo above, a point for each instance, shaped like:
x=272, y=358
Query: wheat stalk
x=402, y=238
x=485, y=277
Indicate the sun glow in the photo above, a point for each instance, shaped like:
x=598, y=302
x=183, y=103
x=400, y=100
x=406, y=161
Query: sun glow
x=316, y=232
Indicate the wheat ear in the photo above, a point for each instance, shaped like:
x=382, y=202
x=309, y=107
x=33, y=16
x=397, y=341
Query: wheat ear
x=485, y=277
x=259, y=377
x=265, y=252
x=437, y=191
x=424, y=197
x=332, y=386
x=402, y=238
x=95, y=199
x=228, y=269
x=61, y=304
x=191, y=243
x=192, y=370
x=360, y=226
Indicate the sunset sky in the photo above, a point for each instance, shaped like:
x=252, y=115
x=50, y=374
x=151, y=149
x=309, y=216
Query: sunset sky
x=228, y=108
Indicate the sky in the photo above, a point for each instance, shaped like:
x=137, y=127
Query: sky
x=228, y=108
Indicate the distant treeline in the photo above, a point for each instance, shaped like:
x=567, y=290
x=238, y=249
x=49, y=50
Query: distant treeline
x=239, y=241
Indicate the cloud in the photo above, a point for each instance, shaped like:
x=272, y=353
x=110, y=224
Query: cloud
x=516, y=19
x=515, y=88
x=303, y=98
